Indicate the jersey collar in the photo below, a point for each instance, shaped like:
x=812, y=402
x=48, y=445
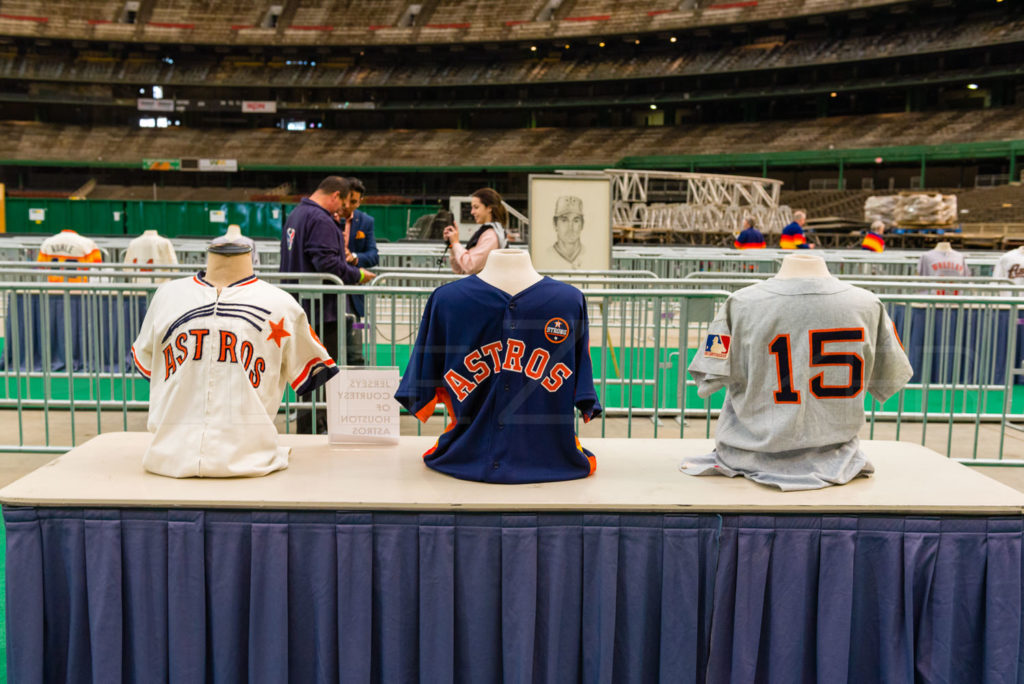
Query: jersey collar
x=501, y=292
x=802, y=286
x=200, y=279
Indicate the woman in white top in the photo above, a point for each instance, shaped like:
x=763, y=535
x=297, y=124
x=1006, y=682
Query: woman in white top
x=488, y=211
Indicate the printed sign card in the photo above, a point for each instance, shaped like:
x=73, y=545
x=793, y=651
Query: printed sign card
x=361, y=406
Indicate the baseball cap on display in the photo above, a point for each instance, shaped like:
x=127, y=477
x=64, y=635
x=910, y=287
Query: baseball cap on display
x=230, y=243
x=568, y=204
x=228, y=248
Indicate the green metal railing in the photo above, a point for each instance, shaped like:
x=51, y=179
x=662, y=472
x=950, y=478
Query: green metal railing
x=66, y=352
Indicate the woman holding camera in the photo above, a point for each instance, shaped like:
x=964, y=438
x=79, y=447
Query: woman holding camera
x=487, y=210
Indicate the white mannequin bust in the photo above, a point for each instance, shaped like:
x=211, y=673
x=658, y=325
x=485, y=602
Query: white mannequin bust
x=803, y=266
x=233, y=233
x=150, y=233
x=509, y=270
x=944, y=247
x=224, y=269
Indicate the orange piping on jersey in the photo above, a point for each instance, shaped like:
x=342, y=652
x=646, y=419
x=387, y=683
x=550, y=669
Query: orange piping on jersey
x=428, y=409
x=749, y=245
x=590, y=459
x=142, y=369
x=297, y=382
x=894, y=332
x=446, y=399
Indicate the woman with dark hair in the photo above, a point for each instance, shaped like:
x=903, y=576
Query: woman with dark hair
x=488, y=211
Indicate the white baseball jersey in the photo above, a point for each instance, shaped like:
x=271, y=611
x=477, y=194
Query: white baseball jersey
x=796, y=356
x=150, y=249
x=1010, y=265
x=217, y=365
x=67, y=245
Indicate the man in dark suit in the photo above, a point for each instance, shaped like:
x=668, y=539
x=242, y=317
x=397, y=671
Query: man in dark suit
x=361, y=251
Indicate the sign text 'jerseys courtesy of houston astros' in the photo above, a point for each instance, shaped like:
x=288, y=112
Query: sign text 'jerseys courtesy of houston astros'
x=217, y=365
x=511, y=369
x=796, y=356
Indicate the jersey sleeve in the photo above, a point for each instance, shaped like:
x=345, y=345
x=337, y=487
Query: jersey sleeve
x=168, y=255
x=999, y=270
x=921, y=268
x=585, y=397
x=305, y=362
x=712, y=364
x=421, y=385
x=891, y=369
x=146, y=344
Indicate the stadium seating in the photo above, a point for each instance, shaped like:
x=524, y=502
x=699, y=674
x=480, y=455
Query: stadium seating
x=547, y=66
x=315, y=22
x=529, y=147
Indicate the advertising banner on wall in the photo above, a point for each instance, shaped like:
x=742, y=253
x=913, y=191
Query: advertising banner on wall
x=259, y=106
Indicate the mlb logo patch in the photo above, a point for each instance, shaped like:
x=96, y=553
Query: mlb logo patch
x=291, y=237
x=717, y=347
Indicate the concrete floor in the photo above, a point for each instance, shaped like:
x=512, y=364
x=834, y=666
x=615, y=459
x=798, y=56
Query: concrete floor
x=38, y=428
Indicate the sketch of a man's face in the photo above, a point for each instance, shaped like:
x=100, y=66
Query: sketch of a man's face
x=568, y=219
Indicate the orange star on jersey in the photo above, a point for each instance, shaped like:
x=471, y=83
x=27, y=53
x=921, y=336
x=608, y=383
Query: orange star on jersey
x=277, y=331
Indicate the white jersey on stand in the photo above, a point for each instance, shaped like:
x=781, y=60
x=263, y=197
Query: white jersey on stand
x=150, y=250
x=796, y=355
x=218, y=365
x=1010, y=265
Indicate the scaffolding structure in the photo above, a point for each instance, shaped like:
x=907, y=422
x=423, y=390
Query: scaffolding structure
x=668, y=202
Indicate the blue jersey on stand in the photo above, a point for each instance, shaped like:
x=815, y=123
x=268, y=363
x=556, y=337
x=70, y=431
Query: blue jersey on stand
x=511, y=369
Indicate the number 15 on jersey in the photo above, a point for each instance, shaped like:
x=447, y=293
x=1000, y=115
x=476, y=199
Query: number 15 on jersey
x=781, y=348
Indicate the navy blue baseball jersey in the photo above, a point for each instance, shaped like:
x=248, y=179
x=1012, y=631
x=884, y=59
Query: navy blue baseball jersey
x=510, y=369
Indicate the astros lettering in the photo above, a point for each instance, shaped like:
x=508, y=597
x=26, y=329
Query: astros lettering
x=488, y=360
x=188, y=346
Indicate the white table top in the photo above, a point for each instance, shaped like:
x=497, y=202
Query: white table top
x=633, y=475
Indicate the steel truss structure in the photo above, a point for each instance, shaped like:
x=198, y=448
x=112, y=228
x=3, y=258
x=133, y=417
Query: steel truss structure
x=704, y=202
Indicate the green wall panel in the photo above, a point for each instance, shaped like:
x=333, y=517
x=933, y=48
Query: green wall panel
x=89, y=217
x=184, y=219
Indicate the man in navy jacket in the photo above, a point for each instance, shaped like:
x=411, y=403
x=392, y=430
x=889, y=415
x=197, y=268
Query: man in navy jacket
x=311, y=242
x=357, y=228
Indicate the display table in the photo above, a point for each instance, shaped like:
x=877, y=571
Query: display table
x=367, y=566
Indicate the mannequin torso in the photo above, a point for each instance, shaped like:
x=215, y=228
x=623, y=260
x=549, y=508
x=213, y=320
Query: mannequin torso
x=803, y=266
x=944, y=247
x=223, y=270
x=509, y=270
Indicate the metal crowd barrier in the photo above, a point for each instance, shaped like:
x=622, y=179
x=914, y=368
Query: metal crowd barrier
x=664, y=261
x=66, y=354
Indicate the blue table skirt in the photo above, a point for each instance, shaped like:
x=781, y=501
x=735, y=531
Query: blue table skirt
x=107, y=595
x=95, y=334
x=974, y=354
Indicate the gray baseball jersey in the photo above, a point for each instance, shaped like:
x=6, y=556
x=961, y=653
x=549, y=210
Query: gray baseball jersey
x=796, y=356
x=217, y=365
x=946, y=263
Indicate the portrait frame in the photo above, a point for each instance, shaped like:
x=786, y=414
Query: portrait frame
x=592, y=196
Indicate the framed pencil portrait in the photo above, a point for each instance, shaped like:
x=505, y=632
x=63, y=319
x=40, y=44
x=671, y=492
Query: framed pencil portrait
x=570, y=222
